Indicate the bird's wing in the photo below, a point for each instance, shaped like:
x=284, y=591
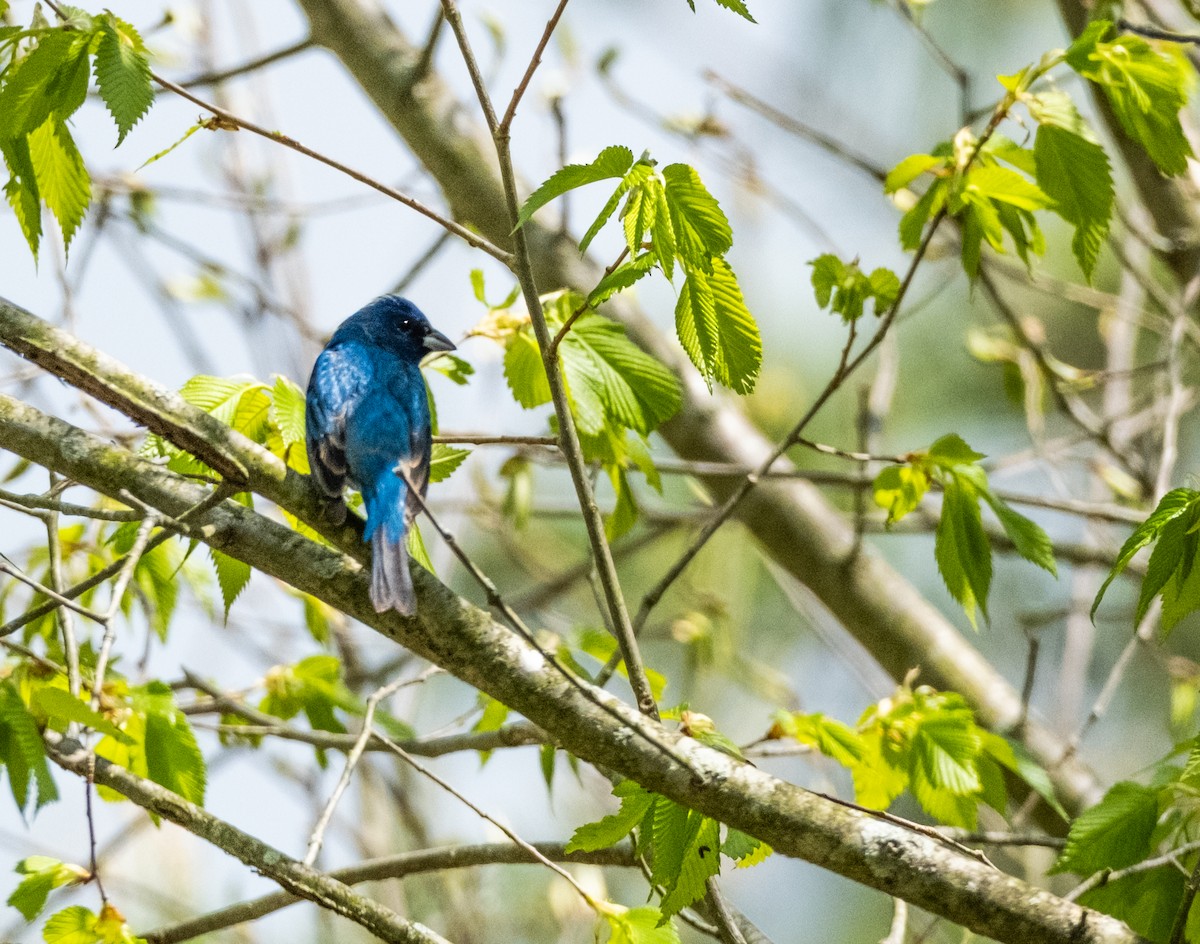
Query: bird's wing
x=410, y=398
x=340, y=379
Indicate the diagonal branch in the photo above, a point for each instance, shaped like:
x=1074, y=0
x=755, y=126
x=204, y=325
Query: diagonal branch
x=289, y=874
x=792, y=520
x=468, y=643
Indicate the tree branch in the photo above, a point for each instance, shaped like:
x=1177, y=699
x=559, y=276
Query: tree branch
x=793, y=522
x=468, y=643
x=297, y=878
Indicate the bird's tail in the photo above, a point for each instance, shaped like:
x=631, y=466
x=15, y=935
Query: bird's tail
x=391, y=582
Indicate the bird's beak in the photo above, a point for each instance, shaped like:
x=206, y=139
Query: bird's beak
x=436, y=341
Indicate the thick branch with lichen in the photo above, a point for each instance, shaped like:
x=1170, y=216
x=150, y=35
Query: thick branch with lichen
x=791, y=519
x=588, y=722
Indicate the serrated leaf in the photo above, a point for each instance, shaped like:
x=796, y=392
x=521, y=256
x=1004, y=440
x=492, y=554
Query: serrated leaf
x=232, y=576
x=1006, y=186
x=59, y=704
x=74, y=925
x=737, y=6
x=898, y=489
x=1146, y=87
x=912, y=224
x=42, y=876
x=172, y=756
x=1175, y=503
x=701, y=860
x=287, y=410
x=611, y=162
x=639, y=926
x=1028, y=537
x=700, y=227
x=909, y=170
x=634, y=389
x=716, y=328
x=524, y=370
x=1074, y=171
x=621, y=278
x=26, y=98
x=22, y=751
x=63, y=181
x=21, y=191
x=952, y=450
x=1147, y=901
x=635, y=802
x=828, y=735
x=444, y=460
x=123, y=74
x=944, y=750
x=1113, y=834
x=961, y=548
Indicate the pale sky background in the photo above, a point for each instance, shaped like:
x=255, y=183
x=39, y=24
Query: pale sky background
x=851, y=68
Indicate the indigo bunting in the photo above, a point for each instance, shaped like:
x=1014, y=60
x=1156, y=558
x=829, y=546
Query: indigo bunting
x=368, y=425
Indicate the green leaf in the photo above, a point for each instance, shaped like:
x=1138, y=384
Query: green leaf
x=172, y=756
x=232, y=577
x=42, y=876
x=1006, y=186
x=74, y=925
x=1113, y=834
x=27, y=96
x=745, y=850
x=524, y=370
x=22, y=751
x=639, y=926
x=1146, y=87
x=912, y=224
x=1146, y=901
x=716, y=328
x=700, y=227
x=444, y=460
x=621, y=278
x=635, y=803
x=59, y=704
x=21, y=190
x=909, y=170
x=1074, y=171
x=1175, y=503
x=123, y=74
x=701, y=860
x=845, y=288
x=611, y=162
x=828, y=735
x=63, y=181
x=952, y=450
x=961, y=548
x=944, y=750
x=1028, y=537
x=898, y=489
x=737, y=6
x=634, y=389
x=287, y=410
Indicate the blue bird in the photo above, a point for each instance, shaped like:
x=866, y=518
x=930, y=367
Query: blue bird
x=368, y=425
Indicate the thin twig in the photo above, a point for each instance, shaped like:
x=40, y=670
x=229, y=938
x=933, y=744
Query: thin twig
x=496, y=600
x=396, y=866
x=1104, y=876
x=140, y=542
x=253, y=65
x=352, y=758
x=65, y=620
x=226, y=119
x=528, y=847
x=511, y=112
x=569, y=438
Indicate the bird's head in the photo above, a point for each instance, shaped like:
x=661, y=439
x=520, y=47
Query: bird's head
x=400, y=326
